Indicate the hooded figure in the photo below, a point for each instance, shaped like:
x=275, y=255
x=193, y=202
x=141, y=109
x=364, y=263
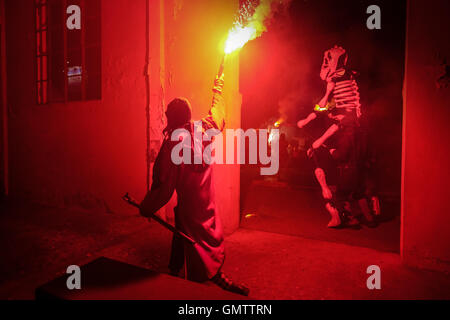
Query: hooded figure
x=195, y=213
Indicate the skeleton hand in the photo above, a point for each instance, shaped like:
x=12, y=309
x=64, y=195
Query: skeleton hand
x=324, y=101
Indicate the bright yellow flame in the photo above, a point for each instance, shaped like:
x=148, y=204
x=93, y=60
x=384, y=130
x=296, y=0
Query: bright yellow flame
x=238, y=37
x=240, y=34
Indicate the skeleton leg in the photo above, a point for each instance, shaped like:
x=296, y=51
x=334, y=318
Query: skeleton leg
x=328, y=196
x=371, y=194
x=375, y=205
x=330, y=131
x=320, y=176
x=320, y=159
x=335, y=219
x=366, y=212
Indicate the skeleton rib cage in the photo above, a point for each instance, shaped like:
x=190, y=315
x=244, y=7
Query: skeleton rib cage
x=346, y=95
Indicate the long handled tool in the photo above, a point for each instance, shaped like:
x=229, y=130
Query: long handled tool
x=221, y=67
x=127, y=198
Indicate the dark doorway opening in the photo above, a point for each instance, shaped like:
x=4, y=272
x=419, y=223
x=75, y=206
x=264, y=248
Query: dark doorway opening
x=279, y=82
x=3, y=112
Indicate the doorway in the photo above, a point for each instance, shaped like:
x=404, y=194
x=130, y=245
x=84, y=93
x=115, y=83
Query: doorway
x=279, y=77
x=3, y=109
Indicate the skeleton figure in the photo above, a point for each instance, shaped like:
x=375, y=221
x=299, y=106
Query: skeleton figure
x=341, y=103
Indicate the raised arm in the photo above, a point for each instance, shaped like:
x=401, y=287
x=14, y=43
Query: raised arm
x=320, y=106
x=307, y=120
x=216, y=115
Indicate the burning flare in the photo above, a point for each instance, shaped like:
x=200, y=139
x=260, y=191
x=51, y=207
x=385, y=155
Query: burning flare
x=248, y=26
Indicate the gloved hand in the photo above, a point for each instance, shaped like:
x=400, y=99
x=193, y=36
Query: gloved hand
x=218, y=84
x=330, y=87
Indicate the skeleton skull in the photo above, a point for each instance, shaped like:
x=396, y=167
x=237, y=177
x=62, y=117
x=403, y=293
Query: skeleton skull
x=334, y=61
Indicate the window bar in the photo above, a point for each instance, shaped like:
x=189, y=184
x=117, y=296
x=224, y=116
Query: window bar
x=44, y=58
x=41, y=51
x=41, y=64
x=38, y=49
x=83, y=49
x=66, y=73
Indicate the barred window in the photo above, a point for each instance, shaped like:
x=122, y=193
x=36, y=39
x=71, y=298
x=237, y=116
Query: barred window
x=68, y=60
x=41, y=46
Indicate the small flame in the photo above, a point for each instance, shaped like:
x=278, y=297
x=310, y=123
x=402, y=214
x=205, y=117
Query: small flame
x=248, y=27
x=278, y=123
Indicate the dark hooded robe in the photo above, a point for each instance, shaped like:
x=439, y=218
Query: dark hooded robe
x=195, y=213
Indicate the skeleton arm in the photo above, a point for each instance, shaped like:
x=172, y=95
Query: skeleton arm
x=321, y=106
x=330, y=87
x=307, y=120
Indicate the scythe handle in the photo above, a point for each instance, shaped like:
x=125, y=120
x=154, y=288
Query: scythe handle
x=221, y=67
x=168, y=226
